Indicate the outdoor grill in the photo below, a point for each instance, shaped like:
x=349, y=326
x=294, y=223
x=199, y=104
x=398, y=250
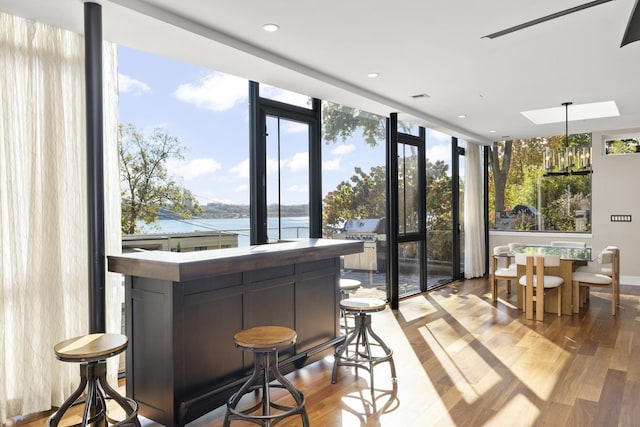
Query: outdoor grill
x=372, y=231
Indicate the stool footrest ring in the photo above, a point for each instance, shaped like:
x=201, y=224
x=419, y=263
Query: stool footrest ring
x=265, y=369
x=364, y=339
x=99, y=392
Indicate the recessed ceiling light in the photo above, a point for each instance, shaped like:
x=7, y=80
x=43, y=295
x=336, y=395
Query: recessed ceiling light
x=373, y=75
x=594, y=110
x=492, y=131
x=462, y=116
x=271, y=27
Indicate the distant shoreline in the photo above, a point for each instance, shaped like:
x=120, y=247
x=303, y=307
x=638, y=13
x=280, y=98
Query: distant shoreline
x=292, y=227
x=230, y=211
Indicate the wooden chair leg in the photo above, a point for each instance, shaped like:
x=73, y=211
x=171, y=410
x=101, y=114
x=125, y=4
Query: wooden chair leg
x=540, y=289
x=494, y=290
x=575, y=297
x=613, y=301
x=559, y=288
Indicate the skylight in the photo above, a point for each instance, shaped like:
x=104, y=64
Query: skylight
x=594, y=110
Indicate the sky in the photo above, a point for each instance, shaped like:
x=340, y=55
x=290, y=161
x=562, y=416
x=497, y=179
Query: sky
x=207, y=111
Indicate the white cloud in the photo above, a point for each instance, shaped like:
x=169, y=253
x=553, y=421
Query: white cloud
x=299, y=162
x=193, y=169
x=272, y=165
x=216, y=92
x=331, y=165
x=299, y=188
x=343, y=149
x=439, y=152
x=241, y=170
x=294, y=127
x=130, y=85
x=243, y=188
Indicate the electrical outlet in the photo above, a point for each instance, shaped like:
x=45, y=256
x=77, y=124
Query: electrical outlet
x=620, y=218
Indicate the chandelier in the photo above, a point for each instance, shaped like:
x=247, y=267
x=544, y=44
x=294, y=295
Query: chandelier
x=567, y=160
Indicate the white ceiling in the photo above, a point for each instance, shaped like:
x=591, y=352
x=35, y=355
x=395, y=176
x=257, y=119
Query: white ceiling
x=326, y=48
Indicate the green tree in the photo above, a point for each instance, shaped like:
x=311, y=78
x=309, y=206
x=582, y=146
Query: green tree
x=525, y=184
x=500, y=164
x=340, y=122
x=622, y=146
x=362, y=197
x=147, y=189
x=439, y=212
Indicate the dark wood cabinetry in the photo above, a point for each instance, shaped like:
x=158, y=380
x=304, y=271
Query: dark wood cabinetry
x=183, y=309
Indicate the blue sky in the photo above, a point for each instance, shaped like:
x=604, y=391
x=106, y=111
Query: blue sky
x=208, y=112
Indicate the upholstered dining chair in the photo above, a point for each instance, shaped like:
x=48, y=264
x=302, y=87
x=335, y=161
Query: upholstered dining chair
x=507, y=272
x=584, y=279
x=600, y=267
x=536, y=283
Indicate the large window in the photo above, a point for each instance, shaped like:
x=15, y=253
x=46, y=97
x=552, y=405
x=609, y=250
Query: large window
x=439, y=209
x=541, y=184
x=354, y=189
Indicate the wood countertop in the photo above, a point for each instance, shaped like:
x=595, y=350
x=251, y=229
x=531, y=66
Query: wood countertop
x=183, y=266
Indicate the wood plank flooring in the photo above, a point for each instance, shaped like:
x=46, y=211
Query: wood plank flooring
x=463, y=361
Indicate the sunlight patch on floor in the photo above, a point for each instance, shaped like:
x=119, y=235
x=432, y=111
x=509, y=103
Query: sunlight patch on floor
x=466, y=369
x=518, y=411
x=416, y=308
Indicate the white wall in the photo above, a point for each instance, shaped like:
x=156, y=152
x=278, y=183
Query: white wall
x=613, y=193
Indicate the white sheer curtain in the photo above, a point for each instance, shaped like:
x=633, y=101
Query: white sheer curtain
x=43, y=248
x=474, y=239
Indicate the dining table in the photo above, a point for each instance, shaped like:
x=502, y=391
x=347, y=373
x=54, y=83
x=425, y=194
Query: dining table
x=570, y=259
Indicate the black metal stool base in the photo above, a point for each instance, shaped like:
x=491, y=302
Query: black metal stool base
x=264, y=369
x=93, y=378
x=362, y=356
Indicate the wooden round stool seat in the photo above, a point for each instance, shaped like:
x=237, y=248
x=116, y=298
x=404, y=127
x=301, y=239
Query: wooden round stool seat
x=90, y=348
x=264, y=342
x=265, y=338
x=91, y=351
x=370, y=349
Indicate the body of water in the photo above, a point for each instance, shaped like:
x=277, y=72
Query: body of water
x=290, y=227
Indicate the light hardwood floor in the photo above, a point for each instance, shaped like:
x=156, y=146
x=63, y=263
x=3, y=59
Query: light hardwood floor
x=463, y=361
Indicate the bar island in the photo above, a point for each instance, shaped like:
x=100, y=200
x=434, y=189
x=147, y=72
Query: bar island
x=182, y=310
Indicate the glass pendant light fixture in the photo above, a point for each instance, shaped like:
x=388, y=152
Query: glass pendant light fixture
x=567, y=160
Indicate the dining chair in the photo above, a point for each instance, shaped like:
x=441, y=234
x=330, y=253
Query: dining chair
x=569, y=244
x=536, y=283
x=583, y=280
x=599, y=267
x=508, y=272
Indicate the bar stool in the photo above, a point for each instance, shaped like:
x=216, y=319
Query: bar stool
x=264, y=342
x=365, y=339
x=346, y=287
x=91, y=351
